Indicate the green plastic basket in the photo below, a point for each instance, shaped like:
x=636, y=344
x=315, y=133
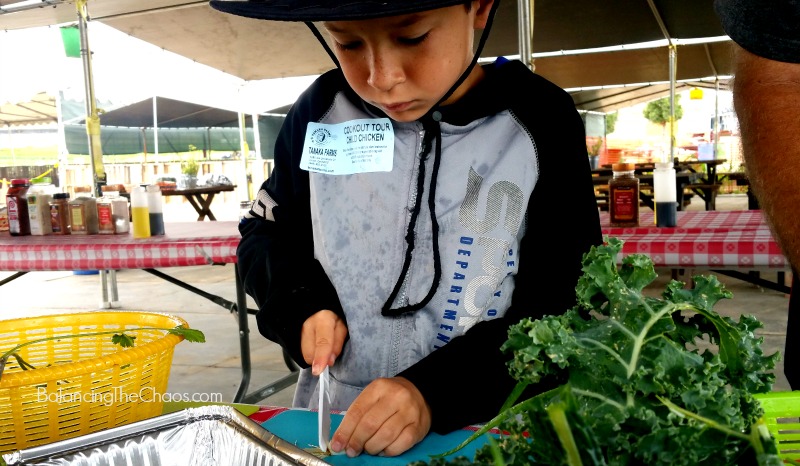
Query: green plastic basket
x=782, y=417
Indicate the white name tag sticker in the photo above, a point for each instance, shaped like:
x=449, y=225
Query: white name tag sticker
x=356, y=146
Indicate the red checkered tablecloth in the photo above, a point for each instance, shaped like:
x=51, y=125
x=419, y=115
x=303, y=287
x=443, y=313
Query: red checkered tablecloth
x=703, y=239
x=185, y=244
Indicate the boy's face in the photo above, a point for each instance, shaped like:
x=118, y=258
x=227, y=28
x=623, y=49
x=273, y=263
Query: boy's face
x=405, y=64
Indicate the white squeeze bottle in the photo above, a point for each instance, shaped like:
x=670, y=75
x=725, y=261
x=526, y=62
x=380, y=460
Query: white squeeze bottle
x=140, y=214
x=156, y=210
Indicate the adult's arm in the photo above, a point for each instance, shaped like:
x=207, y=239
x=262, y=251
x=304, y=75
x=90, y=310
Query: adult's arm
x=767, y=99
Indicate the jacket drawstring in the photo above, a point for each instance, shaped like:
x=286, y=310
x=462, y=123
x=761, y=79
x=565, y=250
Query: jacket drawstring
x=431, y=122
x=433, y=131
x=324, y=43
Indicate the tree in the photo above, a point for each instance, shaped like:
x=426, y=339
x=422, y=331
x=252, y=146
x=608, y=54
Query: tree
x=611, y=122
x=657, y=111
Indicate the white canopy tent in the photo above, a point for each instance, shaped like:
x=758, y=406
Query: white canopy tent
x=556, y=30
x=638, y=40
x=40, y=109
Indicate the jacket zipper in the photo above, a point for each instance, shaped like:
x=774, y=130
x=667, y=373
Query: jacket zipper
x=402, y=296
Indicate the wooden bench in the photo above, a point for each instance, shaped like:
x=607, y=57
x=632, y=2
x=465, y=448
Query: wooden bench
x=741, y=179
x=708, y=192
x=601, y=196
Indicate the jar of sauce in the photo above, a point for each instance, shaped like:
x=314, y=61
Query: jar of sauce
x=19, y=223
x=623, y=190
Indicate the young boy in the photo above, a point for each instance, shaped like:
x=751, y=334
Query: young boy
x=419, y=206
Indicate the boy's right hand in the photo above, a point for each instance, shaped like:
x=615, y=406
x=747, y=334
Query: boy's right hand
x=322, y=339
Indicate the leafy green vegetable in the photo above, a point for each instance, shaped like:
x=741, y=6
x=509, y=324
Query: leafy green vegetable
x=189, y=334
x=648, y=380
x=123, y=339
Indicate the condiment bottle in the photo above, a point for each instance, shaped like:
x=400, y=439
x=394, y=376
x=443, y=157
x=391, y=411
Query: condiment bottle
x=120, y=213
x=3, y=218
x=39, y=210
x=139, y=213
x=83, y=215
x=59, y=214
x=623, y=190
x=105, y=216
x=155, y=209
x=19, y=223
x=665, y=194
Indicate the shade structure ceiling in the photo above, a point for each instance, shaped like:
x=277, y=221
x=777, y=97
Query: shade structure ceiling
x=254, y=49
x=170, y=113
x=610, y=99
x=40, y=109
x=649, y=65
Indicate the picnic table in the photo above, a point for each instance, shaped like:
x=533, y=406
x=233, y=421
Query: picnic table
x=200, y=198
x=709, y=182
x=740, y=179
x=682, y=180
x=705, y=181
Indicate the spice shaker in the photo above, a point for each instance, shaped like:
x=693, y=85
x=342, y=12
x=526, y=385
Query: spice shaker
x=39, y=210
x=105, y=218
x=121, y=214
x=83, y=215
x=59, y=214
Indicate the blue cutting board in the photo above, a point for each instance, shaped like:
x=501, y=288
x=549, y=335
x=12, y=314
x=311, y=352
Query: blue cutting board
x=300, y=428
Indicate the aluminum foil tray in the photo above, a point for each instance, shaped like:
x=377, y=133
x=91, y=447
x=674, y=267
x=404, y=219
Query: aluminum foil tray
x=206, y=436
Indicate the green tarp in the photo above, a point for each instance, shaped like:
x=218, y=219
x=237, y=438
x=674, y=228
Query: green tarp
x=124, y=140
x=595, y=124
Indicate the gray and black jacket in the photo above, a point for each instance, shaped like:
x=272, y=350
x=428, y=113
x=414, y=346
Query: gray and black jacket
x=515, y=210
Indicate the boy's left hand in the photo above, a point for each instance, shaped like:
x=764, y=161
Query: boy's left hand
x=388, y=417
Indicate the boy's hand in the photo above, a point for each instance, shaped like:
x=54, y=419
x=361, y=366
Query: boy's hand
x=322, y=339
x=388, y=417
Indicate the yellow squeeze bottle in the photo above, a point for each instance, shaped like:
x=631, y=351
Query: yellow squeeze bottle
x=140, y=214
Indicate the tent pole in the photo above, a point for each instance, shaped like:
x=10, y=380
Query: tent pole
x=11, y=145
x=144, y=146
x=715, y=129
x=256, y=135
x=155, y=126
x=248, y=181
x=92, y=115
x=62, y=144
x=673, y=59
x=525, y=28
x=259, y=162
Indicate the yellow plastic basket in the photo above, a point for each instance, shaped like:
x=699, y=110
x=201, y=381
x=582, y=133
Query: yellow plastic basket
x=82, y=385
x=782, y=417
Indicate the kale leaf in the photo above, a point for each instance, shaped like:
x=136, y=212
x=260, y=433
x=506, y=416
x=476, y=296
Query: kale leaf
x=649, y=380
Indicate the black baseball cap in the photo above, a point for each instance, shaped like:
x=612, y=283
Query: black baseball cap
x=327, y=10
